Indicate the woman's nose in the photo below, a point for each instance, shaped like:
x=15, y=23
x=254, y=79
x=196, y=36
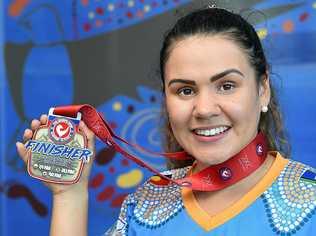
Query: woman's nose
x=206, y=105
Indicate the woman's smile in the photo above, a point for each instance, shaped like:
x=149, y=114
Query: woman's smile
x=210, y=134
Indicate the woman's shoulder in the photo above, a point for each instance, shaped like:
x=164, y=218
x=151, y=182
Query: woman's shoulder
x=296, y=179
x=157, y=200
x=291, y=200
x=298, y=173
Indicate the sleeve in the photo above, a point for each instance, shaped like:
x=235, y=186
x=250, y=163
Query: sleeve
x=120, y=227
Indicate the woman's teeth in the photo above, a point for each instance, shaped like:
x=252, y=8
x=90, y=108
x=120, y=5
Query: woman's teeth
x=211, y=132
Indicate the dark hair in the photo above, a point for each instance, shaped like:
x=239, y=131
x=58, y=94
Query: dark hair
x=216, y=21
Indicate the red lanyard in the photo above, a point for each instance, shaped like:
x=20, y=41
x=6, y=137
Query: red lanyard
x=212, y=178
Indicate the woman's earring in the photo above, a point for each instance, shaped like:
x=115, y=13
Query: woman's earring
x=264, y=109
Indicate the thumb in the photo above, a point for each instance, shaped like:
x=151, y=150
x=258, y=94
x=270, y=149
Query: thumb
x=90, y=135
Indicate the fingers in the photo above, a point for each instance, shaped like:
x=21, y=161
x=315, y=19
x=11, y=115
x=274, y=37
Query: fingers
x=27, y=135
x=22, y=151
x=35, y=124
x=43, y=119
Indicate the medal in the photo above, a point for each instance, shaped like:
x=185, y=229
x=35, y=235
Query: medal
x=58, y=150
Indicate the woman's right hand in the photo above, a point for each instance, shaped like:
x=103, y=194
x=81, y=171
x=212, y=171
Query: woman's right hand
x=81, y=186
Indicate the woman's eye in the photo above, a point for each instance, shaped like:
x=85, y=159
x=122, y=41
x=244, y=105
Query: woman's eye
x=185, y=91
x=227, y=86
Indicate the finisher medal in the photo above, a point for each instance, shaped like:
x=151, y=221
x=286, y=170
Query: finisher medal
x=58, y=150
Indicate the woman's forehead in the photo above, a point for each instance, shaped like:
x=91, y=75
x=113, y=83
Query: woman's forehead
x=211, y=54
x=212, y=44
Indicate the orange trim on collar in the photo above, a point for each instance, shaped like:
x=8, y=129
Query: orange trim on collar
x=208, y=222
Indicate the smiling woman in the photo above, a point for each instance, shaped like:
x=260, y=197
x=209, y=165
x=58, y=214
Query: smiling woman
x=221, y=110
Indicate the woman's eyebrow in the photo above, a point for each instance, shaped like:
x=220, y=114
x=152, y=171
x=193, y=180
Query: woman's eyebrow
x=224, y=73
x=183, y=81
x=212, y=79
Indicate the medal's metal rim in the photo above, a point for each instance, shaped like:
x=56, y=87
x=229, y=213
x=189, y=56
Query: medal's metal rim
x=29, y=169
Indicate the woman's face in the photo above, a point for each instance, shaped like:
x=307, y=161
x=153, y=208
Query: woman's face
x=212, y=98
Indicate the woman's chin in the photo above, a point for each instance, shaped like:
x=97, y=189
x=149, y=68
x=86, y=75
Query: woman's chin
x=210, y=158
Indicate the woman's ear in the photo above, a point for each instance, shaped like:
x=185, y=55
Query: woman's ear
x=264, y=90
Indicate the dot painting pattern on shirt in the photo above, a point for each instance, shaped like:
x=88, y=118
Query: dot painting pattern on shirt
x=158, y=204
x=290, y=202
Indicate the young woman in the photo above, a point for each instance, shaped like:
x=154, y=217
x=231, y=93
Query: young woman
x=219, y=102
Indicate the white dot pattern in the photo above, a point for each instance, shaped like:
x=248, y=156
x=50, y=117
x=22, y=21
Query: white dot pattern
x=158, y=204
x=290, y=202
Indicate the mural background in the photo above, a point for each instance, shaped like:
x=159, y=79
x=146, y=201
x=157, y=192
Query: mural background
x=106, y=53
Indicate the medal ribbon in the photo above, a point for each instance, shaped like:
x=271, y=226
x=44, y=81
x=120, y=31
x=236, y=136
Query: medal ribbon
x=212, y=178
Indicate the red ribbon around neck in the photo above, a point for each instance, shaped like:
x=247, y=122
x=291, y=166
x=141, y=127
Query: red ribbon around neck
x=212, y=178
